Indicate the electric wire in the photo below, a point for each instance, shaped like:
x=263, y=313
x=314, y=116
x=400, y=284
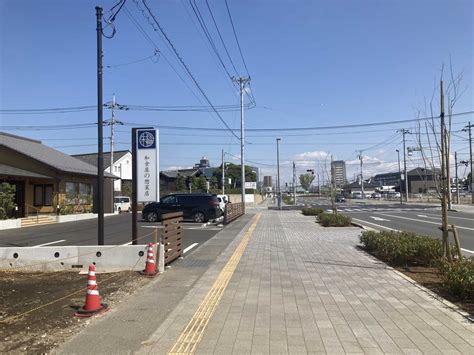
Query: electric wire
x=188, y=70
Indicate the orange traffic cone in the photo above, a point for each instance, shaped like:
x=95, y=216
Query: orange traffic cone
x=150, y=267
x=93, y=305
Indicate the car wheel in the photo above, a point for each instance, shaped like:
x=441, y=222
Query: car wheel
x=119, y=210
x=199, y=217
x=152, y=217
x=129, y=209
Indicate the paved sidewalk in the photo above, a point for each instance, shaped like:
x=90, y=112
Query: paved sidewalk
x=300, y=288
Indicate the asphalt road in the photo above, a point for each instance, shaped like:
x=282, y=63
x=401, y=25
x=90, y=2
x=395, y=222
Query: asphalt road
x=118, y=230
x=417, y=218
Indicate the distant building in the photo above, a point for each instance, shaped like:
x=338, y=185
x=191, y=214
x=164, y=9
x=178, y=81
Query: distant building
x=122, y=168
x=267, y=181
x=338, y=170
x=203, y=163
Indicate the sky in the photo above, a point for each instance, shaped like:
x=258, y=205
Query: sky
x=311, y=63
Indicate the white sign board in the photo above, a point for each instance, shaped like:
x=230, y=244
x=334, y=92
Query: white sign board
x=148, y=165
x=251, y=185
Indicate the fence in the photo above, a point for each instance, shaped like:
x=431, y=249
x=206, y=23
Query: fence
x=172, y=236
x=233, y=211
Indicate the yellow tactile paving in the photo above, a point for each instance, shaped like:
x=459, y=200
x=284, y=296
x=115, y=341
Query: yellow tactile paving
x=193, y=332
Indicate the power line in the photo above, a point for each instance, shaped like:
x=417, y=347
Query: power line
x=236, y=38
x=188, y=70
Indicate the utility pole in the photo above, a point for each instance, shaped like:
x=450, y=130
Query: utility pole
x=468, y=129
x=333, y=187
x=361, y=173
x=223, y=173
x=405, y=173
x=100, y=148
x=242, y=82
x=294, y=183
x=444, y=183
x=400, y=173
x=457, y=179
x=278, y=175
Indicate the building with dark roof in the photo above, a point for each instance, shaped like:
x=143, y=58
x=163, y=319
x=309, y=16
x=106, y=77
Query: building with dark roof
x=121, y=167
x=45, y=178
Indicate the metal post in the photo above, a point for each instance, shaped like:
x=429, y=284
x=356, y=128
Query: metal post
x=278, y=175
x=468, y=128
x=400, y=173
x=242, y=142
x=405, y=172
x=100, y=155
x=457, y=179
x=361, y=174
x=294, y=183
x=242, y=82
x=223, y=173
x=112, y=133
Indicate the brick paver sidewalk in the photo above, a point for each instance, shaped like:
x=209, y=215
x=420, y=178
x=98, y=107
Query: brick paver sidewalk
x=300, y=288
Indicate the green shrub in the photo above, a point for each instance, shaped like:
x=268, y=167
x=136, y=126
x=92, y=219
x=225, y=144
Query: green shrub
x=311, y=211
x=459, y=277
x=402, y=248
x=334, y=220
x=7, y=200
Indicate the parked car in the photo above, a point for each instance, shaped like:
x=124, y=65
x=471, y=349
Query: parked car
x=199, y=207
x=223, y=201
x=391, y=195
x=122, y=204
x=357, y=195
x=340, y=198
x=376, y=196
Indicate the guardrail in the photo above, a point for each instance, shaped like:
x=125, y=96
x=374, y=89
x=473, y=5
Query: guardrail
x=172, y=236
x=233, y=211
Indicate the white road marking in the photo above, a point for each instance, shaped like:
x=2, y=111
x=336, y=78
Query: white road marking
x=379, y=219
x=127, y=243
x=420, y=220
x=377, y=225
x=189, y=248
x=439, y=217
x=42, y=245
x=467, y=250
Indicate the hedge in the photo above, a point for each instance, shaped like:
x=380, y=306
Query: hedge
x=312, y=211
x=334, y=220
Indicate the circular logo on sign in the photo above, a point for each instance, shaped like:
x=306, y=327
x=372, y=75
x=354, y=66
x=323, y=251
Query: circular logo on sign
x=146, y=139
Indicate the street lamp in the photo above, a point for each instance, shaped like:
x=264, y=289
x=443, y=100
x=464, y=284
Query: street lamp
x=278, y=174
x=400, y=173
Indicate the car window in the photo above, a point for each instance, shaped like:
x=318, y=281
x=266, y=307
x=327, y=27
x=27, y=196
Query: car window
x=169, y=200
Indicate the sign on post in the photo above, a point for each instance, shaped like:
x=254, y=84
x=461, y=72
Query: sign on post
x=251, y=185
x=147, y=165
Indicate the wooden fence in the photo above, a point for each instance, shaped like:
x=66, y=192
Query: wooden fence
x=172, y=236
x=233, y=211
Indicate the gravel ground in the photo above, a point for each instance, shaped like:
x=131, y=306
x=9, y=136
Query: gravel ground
x=37, y=309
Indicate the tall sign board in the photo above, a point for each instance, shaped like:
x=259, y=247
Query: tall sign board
x=145, y=171
x=148, y=179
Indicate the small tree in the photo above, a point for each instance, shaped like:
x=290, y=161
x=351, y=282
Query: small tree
x=306, y=181
x=181, y=183
x=199, y=183
x=7, y=199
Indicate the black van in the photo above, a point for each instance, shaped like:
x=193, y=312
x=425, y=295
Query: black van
x=199, y=207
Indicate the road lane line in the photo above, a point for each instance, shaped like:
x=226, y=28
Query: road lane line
x=439, y=217
x=189, y=248
x=192, y=334
x=467, y=250
x=42, y=245
x=377, y=225
x=379, y=219
x=422, y=221
x=127, y=243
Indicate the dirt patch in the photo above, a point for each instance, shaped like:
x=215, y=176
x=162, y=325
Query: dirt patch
x=37, y=309
x=432, y=279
